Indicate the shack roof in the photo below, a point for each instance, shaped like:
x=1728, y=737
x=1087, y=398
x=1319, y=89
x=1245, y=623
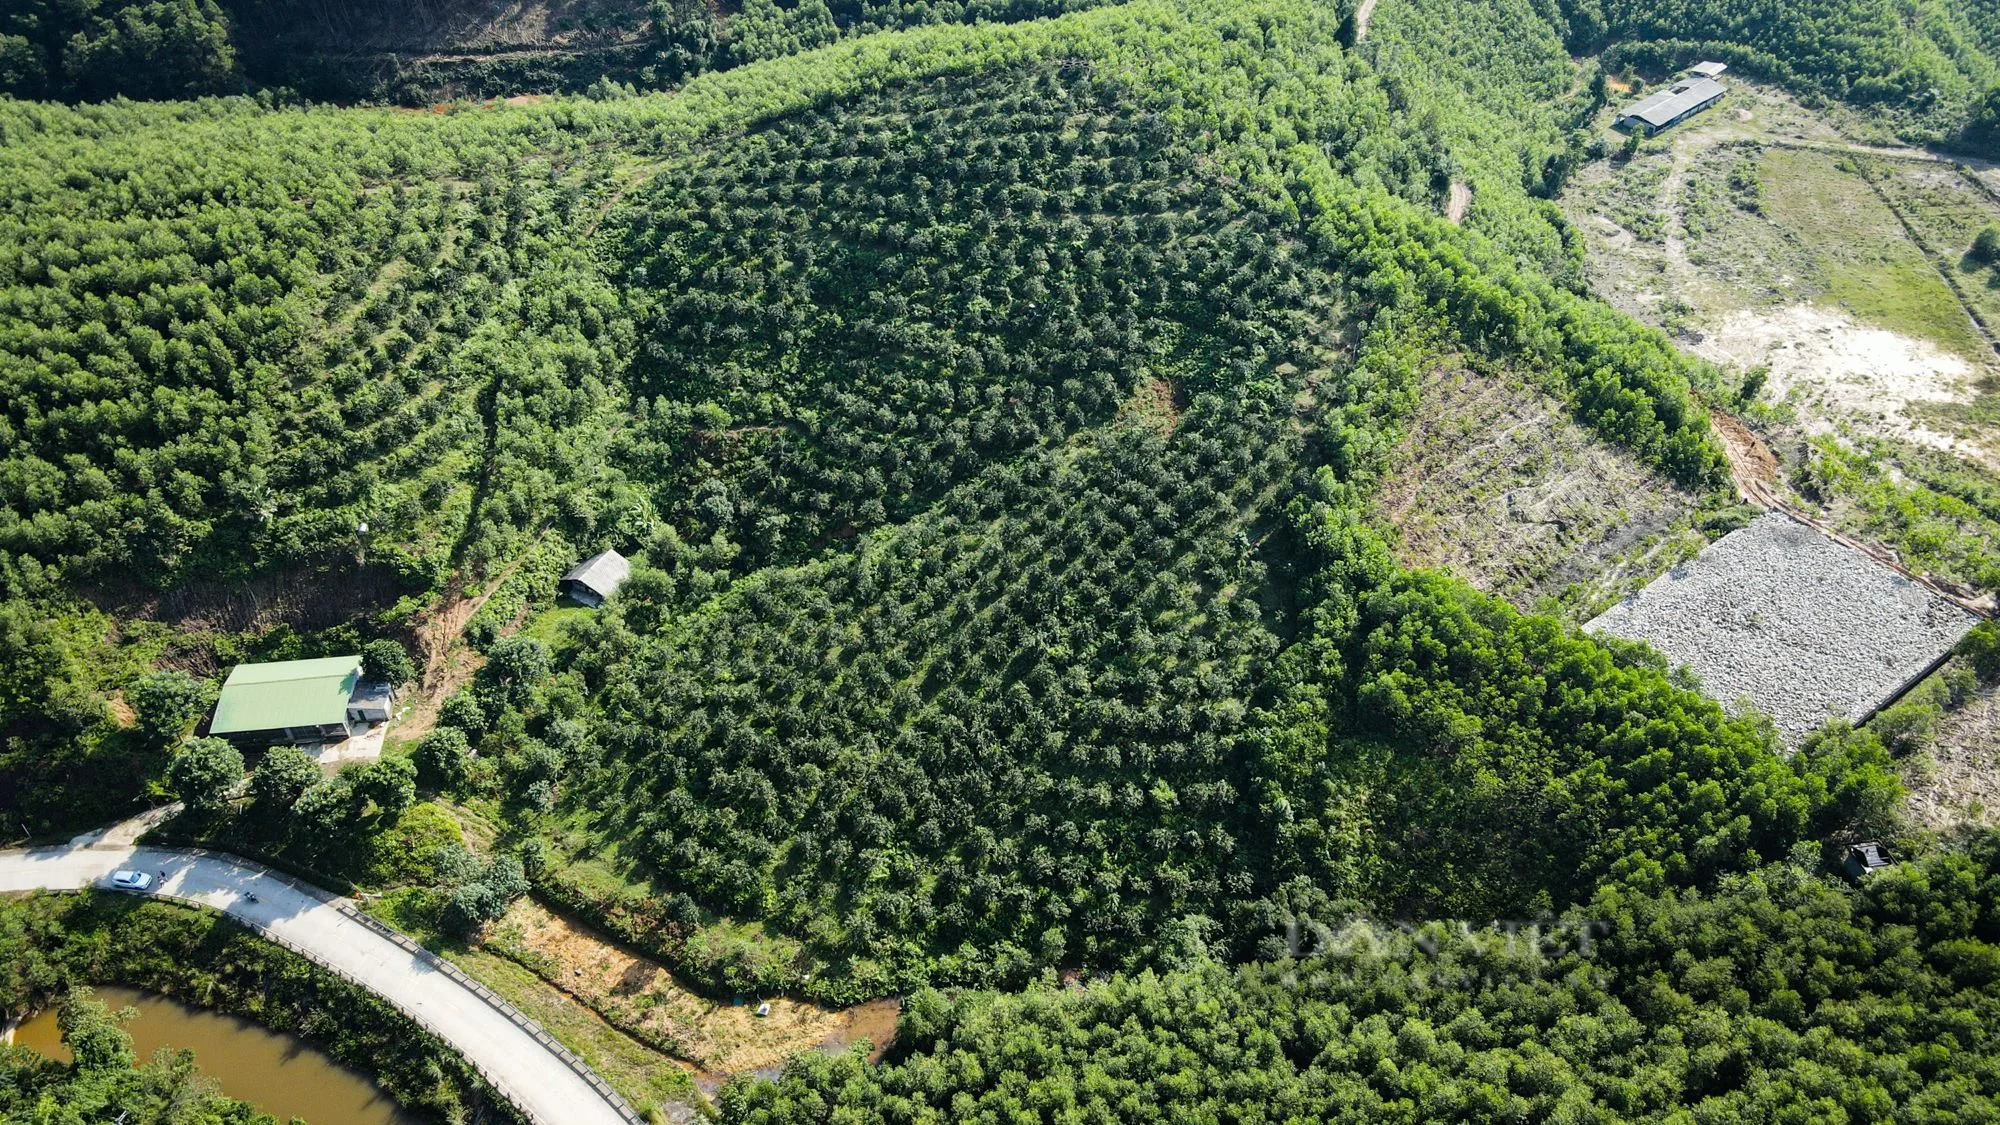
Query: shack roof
x=1664, y=108
x=1708, y=69
x=1868, y=855
x=603, y=572
x=286, y=693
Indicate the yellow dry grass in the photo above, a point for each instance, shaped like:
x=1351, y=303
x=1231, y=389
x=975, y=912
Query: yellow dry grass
x=640, y=997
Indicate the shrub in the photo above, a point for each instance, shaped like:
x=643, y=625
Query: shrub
x=1986, y=247
x=386, y=659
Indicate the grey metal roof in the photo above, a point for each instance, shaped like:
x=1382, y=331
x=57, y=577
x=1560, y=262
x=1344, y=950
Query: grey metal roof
x=602, y=572
x=1708, y=69
x=1661, y=109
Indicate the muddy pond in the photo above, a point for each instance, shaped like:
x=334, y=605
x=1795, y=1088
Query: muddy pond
x=280, y=1074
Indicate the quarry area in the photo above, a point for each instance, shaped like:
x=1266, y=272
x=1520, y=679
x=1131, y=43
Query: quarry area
x=1781, y=618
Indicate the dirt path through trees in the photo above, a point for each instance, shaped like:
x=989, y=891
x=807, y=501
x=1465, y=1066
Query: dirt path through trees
x=1460, y=202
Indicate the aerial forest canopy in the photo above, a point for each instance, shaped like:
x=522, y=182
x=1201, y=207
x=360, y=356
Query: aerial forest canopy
x=1932, y=67
x=992, y=411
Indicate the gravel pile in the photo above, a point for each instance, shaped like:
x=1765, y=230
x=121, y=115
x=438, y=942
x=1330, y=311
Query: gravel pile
x=1782, y=618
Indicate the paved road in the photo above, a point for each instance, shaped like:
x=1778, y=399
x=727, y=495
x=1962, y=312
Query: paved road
x=537, y=1080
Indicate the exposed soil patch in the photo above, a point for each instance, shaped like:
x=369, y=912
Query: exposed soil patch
x=1831, y=368
x=121, y=711
x=1758, y=476
x=642, y=998
x=1781, y=617
x=1958, y=780
x=1498, y=484
x=304, y=598
x=1160, y=404
x=1460, y=201
x=1361, y=17
x=447, y=662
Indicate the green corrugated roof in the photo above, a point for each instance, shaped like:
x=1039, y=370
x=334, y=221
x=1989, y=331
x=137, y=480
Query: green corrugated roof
x=287, y=693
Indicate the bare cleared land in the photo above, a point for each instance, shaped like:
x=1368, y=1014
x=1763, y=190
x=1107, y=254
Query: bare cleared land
x=1496, y=483
x=477, y=24
x=1764, y=238
x=1957, y=779
x=1782, y=618
x=1829, y=277
x=643, y=999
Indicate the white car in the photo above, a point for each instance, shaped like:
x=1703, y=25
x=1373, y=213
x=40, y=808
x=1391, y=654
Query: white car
x=131, y=880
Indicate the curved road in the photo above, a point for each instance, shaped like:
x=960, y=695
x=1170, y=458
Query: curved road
x=537, y=1080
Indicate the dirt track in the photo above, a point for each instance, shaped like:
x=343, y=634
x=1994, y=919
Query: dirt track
x=1460, y=203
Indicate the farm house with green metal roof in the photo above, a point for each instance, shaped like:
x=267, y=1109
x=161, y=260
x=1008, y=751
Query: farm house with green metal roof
x=298, y=701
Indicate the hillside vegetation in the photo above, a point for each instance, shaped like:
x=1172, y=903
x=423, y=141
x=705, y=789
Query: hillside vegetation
x=1759, y=1001
x=382, y=50
x=1929, y=67
x=996, y=415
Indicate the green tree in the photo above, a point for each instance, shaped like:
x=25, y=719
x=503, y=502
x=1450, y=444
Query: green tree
x=646, y=598
x=39, y=679
x=684, y=41
x=515, y=665
x=463, y=712
x=324, y=815
x=152, y=49
x=1982, y=133
x=387, y=659
x=166, y=705
x=281, y=779
x=203, y=772
x=442, y=759
x=469, y=908
x=1986, y=247
x=389, y=784
x=92, y=1033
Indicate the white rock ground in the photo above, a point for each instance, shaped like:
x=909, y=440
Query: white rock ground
x=1781, y=618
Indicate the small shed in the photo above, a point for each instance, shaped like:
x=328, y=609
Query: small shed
x=1865, y=859
x=593, y=581
x=1708, y=69
x=371, y=703
x=298, y=701
x=1672, y=105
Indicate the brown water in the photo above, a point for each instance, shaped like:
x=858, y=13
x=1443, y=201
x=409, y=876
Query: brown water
x=874, y=1021
x=280, y=1074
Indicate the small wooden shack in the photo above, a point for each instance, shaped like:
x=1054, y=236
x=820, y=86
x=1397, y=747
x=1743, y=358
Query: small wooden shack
x=593, y=581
